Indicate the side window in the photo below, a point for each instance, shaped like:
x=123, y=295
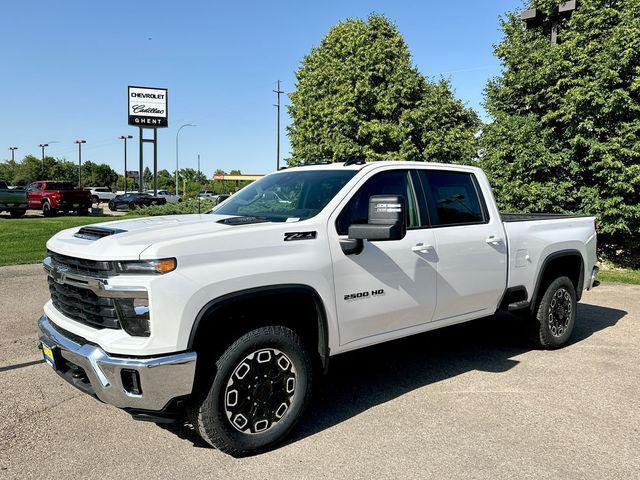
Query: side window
x=453, y=198
x=393, y=182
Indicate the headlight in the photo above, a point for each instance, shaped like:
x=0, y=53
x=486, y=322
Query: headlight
x=164, y=265
x=134, y=316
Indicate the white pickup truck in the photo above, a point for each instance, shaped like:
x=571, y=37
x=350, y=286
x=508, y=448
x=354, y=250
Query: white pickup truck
x=226, y=317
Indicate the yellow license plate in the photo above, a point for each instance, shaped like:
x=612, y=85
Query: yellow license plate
x=47, y=353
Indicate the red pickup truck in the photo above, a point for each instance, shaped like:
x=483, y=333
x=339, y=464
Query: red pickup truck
x=54, y=197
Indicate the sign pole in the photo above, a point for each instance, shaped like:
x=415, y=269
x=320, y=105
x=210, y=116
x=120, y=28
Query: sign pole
x=141, y=163
x=155, y=162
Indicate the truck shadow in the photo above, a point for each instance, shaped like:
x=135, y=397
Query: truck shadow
x=365, y=378
x=360, y=380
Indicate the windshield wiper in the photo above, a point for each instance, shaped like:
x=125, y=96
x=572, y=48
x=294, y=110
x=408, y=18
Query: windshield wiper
x=243, y=220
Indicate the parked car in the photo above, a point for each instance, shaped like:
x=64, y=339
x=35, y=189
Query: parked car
x=100, y=194
x=206, y=193
x=132, y=200
x=12, y=200
x=54, y=197
x=166, y=194
x=217, y=199
x=228, y=317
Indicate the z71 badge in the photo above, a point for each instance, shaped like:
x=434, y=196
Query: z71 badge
x=361, y=295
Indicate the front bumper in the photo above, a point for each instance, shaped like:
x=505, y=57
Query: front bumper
x=92, y=370
x=593, y=281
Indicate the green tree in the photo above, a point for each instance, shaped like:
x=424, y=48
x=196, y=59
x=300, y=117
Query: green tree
x=358, y=95
x=565, y=130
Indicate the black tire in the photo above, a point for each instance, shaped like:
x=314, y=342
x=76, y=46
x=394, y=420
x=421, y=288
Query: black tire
x=47, y=211
x=17, y=213
x=555, y=316
x=83, y=212
x=95, y=199
x=210, y=417
x=132, y=205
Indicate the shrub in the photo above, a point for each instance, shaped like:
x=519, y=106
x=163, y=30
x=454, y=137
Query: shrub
x=182, y=208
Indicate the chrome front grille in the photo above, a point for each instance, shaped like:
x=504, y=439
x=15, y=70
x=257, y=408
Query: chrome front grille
x=82, y=266
x=84, y=306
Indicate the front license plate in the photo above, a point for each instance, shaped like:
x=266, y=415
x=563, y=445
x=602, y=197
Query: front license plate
x=47, y=353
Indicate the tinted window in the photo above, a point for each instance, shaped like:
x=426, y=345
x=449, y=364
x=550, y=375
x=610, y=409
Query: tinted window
x=394, y=182
x=287, y=195
x=60, y=186
x=452, y=198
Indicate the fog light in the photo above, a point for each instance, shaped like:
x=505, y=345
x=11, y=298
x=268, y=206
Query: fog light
x=131, y=381
x=134, y=316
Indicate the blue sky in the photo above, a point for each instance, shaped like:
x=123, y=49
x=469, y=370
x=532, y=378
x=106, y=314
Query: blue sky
x=66, y=66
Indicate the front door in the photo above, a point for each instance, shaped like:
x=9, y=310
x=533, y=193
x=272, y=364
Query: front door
x=391, y=285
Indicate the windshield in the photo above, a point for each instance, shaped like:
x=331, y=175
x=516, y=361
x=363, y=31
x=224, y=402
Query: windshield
x=287, y=196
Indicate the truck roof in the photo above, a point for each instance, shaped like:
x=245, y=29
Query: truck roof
x=382, y=163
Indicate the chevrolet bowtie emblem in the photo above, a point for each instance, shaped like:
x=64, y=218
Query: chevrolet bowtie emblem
x=59, y=274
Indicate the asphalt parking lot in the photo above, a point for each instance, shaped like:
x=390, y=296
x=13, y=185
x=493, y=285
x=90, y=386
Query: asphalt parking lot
x=471, y=401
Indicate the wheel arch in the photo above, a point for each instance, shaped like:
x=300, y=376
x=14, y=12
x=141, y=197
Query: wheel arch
x=207, y=313
x=569, y=261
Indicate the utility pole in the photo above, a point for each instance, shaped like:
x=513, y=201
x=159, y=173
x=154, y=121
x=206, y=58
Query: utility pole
x=277, y=91
x=13, y=153
x=534, y=17
x=80, y=142
x=177, y=166
x=199, y=182
x=125, y=138
x=42, y=146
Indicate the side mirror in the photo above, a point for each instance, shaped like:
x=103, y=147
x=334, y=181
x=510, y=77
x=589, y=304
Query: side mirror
x=387, y=221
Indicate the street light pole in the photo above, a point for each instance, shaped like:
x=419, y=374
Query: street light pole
x=13, y=153
x=42, y=146
x=125, y=138
x=80, y=142
x=277, y=91
x=177, y=133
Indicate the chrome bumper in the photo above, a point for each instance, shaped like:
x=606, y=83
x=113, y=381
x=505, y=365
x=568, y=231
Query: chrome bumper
x=160, y=378
x=593, y=281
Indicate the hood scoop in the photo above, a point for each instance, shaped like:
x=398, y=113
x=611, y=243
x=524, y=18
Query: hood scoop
x=96, y=233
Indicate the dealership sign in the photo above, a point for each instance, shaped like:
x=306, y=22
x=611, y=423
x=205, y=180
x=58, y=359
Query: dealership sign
x=148, y=107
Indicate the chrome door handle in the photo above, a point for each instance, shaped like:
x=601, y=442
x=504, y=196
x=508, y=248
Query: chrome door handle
x=421, y=248
x=493, y=240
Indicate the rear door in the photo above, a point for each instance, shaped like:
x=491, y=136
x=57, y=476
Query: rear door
x=391, y=285
x=470, y=244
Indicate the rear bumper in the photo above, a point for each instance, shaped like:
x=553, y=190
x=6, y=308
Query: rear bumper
x=158, y=380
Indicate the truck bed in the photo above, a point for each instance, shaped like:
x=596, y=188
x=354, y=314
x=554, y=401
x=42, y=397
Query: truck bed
x=529, y=217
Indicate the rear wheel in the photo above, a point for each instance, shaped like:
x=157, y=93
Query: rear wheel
x=17, y=213
x=556, y=314
x=95, y=199
x=261, y=387
x=83, y=212
x=132, y=205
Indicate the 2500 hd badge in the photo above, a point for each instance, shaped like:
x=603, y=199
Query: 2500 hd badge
x=360, y=295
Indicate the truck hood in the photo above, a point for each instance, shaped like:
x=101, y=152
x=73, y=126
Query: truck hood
x=133, y=236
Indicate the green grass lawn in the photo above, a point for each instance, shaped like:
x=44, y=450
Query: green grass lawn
x=619, y=275
x=23, y=240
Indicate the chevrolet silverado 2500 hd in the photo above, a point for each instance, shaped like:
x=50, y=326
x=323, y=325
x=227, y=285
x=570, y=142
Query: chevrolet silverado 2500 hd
x=228, y=316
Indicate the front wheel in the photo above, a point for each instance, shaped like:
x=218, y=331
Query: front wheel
x=556, y=314
x=261, y=387
x=47, y=211
x=17, y=213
